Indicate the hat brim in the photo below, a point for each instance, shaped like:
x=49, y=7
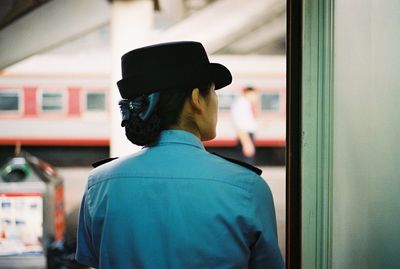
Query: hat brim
x=218, y=74
x=175, y=78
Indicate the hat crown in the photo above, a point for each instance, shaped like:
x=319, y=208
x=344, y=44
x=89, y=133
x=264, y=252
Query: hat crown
x=161, y=56
x=169, y=66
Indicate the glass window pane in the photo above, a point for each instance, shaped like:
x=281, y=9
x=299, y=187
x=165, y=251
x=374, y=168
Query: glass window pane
x=52, y=101
x=365, y=130
x=9, y=101
x=270, y=102
x=96, y=101
x=225, y=101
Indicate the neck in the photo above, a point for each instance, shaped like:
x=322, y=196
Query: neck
x=187, y=121
x=194, y=131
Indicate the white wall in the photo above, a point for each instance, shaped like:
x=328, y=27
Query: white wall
x=366, y=146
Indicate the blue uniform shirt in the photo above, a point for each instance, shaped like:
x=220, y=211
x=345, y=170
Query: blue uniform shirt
x=174, y=205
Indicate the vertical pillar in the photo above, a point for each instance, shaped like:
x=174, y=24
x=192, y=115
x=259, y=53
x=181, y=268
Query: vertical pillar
x=172, y=11
x=131, y=25
x=317, y=139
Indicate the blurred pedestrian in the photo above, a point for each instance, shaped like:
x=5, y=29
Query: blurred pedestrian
x=173, y=204
x=244, y=120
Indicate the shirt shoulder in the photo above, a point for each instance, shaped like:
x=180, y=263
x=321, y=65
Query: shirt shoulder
x=235, y=171
x=187, y=163
x=243, y=164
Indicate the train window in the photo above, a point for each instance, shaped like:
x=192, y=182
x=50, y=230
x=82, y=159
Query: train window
x=225, y=101
x=95, y=101
x=9, y=101
x=52, y=101
x=270, y=102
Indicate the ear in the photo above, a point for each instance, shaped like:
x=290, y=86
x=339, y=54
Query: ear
x=197, y=101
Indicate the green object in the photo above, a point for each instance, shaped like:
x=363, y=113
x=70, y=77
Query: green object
x=317, y=135
x=15, y=171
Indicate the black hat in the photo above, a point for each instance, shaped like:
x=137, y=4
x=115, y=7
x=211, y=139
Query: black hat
x=175, y=65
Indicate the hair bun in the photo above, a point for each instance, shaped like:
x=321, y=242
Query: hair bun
x=141, y=132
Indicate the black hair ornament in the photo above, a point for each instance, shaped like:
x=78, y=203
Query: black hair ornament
x=142, y=106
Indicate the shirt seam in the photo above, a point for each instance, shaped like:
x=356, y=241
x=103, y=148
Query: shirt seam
x=174, y=178
x=250, y=206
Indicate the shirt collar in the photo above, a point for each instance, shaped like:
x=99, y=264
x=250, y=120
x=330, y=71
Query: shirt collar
x=179, y=137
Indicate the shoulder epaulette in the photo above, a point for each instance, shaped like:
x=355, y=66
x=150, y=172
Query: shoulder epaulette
x=244, y=164
x=101, y=162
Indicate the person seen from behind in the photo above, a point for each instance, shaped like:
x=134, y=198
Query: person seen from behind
x=173, y=204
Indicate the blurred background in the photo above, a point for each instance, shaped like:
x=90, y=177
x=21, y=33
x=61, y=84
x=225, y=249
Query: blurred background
x=58, y=98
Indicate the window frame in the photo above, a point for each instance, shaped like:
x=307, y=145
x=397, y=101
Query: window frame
x=279, y=102
x=20, y=101
x=231, y=94
x=60, y=91
x=85, y=100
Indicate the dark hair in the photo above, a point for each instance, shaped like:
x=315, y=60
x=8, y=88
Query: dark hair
x=167, y=112
x=248, y=89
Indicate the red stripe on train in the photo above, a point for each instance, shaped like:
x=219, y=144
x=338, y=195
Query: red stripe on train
x=20, y=194
x=233, y=143
x=106, y=142
x=55, y=141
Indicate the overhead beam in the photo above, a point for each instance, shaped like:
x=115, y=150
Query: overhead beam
x=223, y=22
x=266, y=34
x=50, y=25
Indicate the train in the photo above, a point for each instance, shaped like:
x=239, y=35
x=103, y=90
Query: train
x=55, y=108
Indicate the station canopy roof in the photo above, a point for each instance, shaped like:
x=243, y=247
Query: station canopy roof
x=225, y=27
